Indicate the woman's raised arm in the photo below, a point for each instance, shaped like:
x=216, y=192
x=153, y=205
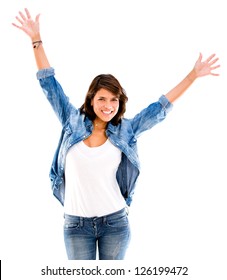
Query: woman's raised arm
x=201, y=68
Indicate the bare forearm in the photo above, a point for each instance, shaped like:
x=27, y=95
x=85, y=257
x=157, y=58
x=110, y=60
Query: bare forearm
x=41, y=58
x=39, y=53
x=178, y=90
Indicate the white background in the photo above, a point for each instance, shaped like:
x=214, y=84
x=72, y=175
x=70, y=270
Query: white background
x=178, y=215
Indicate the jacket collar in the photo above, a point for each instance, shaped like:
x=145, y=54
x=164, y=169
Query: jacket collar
x=89, y=125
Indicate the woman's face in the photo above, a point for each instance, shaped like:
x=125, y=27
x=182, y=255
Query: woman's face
x=105, y=105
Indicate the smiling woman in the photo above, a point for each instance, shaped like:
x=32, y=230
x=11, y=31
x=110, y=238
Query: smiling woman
x=105, y=88
x=105, y=106
x=96, y=165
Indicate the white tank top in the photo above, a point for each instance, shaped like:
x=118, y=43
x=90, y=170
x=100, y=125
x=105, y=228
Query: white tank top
x=90, y=179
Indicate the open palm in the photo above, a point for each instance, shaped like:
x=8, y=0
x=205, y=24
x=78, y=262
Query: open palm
x=27, y=24
x=203, y=68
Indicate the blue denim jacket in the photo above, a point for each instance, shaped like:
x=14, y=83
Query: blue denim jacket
x=77, y=127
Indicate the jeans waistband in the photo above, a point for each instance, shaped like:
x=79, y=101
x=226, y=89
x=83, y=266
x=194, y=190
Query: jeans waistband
x=115, y=215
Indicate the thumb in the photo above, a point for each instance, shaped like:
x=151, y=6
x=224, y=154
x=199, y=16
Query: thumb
x=37, y=18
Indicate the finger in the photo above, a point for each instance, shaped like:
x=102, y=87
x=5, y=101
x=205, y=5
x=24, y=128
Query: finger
x=210, y=58
x=199, y=60
x=200, y=57
x=214, y=61
x=22, y=15
x=27, y=13
x=214, y=67
x=37, y=18
x=20, y=21
x=16, y=25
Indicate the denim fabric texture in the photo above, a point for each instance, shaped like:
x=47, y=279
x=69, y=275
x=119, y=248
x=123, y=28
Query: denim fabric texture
x=77, y=127
x=105, y=238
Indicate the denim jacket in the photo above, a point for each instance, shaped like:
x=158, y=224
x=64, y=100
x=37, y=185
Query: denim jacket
x=77, y=127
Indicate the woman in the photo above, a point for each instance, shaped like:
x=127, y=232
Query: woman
x=96, y=166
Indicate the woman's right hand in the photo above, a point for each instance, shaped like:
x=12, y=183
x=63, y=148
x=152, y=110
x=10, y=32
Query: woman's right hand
x=31, y=28
x=28, y=25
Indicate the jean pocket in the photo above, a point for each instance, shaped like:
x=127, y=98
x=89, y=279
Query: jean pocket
x=118, y=222
x=70, y=225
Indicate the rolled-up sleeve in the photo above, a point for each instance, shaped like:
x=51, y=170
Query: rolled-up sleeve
x=45, y=73
x=165, y=103
x=152, y=115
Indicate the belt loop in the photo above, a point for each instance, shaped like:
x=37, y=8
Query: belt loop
x=104, y=220
x=127, y=210
x=81, y=221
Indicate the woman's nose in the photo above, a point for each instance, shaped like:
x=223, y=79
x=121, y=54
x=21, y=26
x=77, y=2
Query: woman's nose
x=108, y=105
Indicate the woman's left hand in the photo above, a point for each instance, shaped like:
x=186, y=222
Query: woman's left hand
x=203, y=68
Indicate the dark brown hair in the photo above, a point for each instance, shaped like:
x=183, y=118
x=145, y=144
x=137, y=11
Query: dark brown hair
x=110, y=83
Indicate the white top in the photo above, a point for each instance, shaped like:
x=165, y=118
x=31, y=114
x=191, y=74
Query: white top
x=90, y=178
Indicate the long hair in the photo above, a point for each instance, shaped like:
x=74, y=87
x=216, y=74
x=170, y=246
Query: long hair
x=110, y=83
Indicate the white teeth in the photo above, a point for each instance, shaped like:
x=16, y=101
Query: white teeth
x=107, y=112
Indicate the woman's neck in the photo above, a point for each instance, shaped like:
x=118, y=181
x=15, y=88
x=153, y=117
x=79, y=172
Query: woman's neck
x=99, y=125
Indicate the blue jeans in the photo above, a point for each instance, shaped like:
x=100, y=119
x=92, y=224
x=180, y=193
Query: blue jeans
x=110, y=234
